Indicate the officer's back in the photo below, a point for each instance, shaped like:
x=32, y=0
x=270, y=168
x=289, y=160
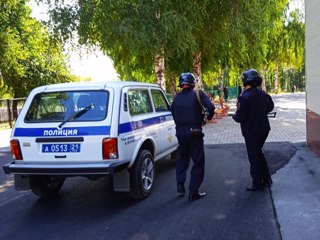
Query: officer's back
x=186, y=110
x=253, y=108
x=257, y=120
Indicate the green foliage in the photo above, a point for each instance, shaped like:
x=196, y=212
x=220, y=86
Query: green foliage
x=29, y=56
x=295, y=41
x=4, y=93
x=230, y=35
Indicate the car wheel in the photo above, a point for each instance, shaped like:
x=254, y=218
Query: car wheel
x=45, y=186
x=142, y=175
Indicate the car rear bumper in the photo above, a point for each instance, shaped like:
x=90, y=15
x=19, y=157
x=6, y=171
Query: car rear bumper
x=103, y=168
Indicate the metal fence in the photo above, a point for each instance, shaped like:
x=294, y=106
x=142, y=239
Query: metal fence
x=8, y=111
x=233, y=93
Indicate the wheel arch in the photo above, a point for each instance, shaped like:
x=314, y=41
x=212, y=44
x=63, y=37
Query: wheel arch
x=147, y=144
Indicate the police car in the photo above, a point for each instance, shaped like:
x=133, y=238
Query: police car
x=91, y=129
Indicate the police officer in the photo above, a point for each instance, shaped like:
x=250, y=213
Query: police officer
x=252, y=113
x=187, y=115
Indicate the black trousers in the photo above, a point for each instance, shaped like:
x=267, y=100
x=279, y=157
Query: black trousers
x=259, y=169
x=191, y=147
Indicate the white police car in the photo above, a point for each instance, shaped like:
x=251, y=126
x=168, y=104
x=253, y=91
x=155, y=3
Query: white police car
x=91, y=129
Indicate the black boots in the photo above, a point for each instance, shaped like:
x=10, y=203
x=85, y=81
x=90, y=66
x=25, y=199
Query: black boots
x=265, y=183
x=255, y=187
x=196, y=196
x=180, y=188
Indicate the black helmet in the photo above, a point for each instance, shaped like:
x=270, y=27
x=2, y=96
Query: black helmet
x=251, y=77
x=187, y=78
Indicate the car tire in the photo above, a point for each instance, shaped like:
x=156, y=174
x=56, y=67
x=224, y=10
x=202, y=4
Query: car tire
x=142, y=175
x=45, y=186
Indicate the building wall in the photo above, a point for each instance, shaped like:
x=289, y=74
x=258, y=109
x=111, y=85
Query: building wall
x=313, y=73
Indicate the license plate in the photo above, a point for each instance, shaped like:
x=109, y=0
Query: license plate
x=61, y=148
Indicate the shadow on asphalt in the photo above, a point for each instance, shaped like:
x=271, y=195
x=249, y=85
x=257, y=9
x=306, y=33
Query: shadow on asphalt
x=278, y=154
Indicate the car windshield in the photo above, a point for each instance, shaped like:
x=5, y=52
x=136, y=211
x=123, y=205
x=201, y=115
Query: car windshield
x=63, y=106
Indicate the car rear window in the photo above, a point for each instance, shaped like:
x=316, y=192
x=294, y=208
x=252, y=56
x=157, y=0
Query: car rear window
x=68, y=106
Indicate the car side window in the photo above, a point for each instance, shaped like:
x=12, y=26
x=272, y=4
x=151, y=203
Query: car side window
x=139, y=102
x=159, y=101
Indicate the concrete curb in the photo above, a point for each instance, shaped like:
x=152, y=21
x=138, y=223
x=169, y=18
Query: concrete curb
x=296, y=196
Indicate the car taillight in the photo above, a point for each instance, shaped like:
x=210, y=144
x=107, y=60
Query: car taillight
x=15, y=149
x=110, y=148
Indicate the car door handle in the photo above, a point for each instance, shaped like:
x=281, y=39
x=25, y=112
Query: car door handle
x=162, y=119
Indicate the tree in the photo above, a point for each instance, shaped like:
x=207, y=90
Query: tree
x=29, y=56
x=135, y=34
x=285, y=45
x=148, y=40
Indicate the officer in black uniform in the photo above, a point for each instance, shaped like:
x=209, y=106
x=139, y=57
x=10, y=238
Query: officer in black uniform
x=187, y=115
x=252, y=113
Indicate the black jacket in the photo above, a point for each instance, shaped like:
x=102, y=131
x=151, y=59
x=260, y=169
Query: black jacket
x=252, y=112
x=186, y=110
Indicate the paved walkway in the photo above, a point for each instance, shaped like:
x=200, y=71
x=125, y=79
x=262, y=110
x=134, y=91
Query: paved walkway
x=289, y=125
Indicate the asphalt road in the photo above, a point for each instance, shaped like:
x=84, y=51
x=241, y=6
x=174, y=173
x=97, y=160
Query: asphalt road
x=91, y=210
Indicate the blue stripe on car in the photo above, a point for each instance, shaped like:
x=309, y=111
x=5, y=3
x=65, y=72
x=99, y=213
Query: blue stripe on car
x=55, y=132
x=134, y=125
x=85, y=131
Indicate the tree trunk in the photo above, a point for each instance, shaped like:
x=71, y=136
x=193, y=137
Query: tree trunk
x=14, y=108
x=263, y=84
x=173, y=87
x=276, y=79
x=159, y=71
x=197, y=70
x=221, y=81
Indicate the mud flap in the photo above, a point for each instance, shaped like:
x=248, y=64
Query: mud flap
x=21, y=182
x=121, y=181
